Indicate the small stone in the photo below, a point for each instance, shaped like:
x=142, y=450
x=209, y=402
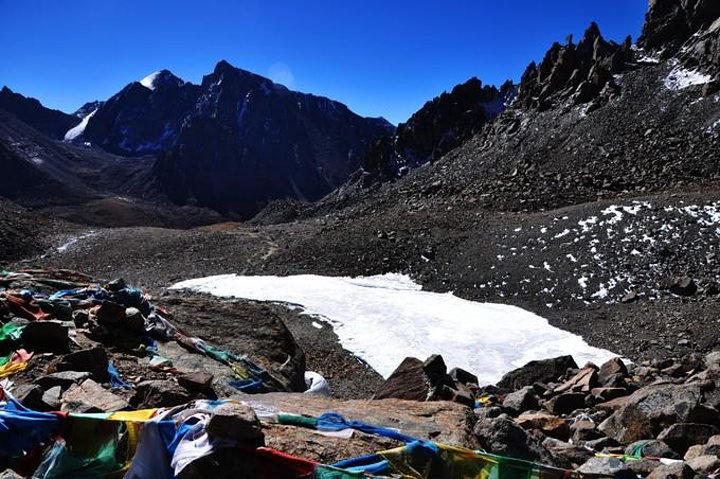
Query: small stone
x=236, y=421
x=10, y=474
x=81, y=318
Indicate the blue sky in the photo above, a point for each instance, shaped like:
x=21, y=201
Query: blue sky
x=381, y=58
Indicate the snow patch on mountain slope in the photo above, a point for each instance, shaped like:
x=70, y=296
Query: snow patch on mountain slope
x=78, y=130
x=681, y=78
x=384, y=319
x=149, y=81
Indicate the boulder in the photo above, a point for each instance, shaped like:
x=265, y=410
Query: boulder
x=676, y=470
x=64, y=379
x=52, y=398
x=521, y=401
x=643, y=467
x=585, y=380
x=565, y=403
x=711, y=448
x=568, y=456
x=704, y=464
x=545, y=370
x=134, y=320
x=92, y=360
x=90, y=396
x=611, y=371
x=440, y=421
x=604, y=466
x=30, y=396
x=584, y=431
x=406, y=382
x=712, y=360
x=684, y=286
x=550, y=425
x=110, y=314
x=654, y=448
x=681, y=436
x=502, y=436
x=159, y=393
x=196, y=382
x=44, y=336
x=608, y=394
x=238, y=422
x=460, y=376
x=648, y=411
x=424, y=381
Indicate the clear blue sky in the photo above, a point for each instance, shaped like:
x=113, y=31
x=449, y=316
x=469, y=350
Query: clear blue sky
x=380, y=57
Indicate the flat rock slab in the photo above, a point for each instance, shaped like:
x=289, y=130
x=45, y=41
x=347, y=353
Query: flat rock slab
x=93, y=396
x=444, y=422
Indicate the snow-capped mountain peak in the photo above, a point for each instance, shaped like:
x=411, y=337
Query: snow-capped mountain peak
x=159, y=78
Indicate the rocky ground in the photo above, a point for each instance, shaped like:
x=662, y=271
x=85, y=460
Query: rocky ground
x=595, y=269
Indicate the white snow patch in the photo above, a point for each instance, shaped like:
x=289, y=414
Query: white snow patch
x=384, y=319
x=149, y=81
x=74, y=239
x=681, y=78
x=78, y=130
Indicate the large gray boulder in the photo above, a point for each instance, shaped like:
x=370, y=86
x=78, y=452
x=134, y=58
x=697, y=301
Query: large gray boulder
x=545, y=370
x=650, y=410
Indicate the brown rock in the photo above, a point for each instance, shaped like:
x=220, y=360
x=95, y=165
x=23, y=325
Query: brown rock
x=92, y=360
x=550, y=425
x=565, y=403
x=236, y=421
x=159, y=393
x=444, y=422
x=545, y=370
x=681, y=436
x=608, y=394
x=196, y=382
x=110, y=314
x=676, y=470
x=583, y=381
x=92, y=395
x=610, y=370
x=649, y=410
x=704, y=464
x=406, y=382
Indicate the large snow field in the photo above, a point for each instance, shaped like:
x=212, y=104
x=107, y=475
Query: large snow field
x=383, y=319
